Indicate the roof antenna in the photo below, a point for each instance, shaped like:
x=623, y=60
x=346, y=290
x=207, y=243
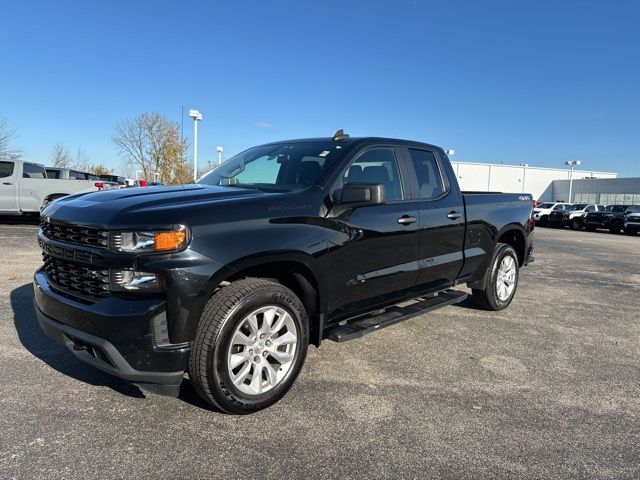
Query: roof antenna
x=340, y=135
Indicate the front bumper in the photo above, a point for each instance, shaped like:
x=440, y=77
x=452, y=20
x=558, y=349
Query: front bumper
x=117, y=335
x=632, y=226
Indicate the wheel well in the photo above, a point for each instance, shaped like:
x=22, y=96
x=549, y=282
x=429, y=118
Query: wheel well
x=295, y=276
x=515, y=238
x=53, y=196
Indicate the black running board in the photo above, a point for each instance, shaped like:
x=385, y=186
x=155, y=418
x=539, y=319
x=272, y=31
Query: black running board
x=392, y=315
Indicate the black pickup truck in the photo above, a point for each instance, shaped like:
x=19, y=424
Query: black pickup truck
x=283, y=245
x=611, y=218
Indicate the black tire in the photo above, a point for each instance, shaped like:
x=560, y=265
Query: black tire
x=575, y=224
x=544, y=221
x=614, y=229
x=221, y=316
x=488, y=299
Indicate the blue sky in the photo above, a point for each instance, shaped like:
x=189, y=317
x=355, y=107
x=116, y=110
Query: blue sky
x=526, y=81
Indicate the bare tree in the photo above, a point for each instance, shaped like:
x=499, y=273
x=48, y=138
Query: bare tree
x=81, y=160
x=151, y=143
x=6, y=136
x=60, y=157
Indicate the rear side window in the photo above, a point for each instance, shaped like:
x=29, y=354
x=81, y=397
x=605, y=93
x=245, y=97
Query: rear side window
x=6, y=169
x=427, y=173
x=53, y=173
x=31, y=170
x=73, y=175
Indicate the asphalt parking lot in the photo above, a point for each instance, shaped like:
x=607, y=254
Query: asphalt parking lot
x=549, y=388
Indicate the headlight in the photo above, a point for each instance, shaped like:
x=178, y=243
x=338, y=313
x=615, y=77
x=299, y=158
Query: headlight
x=132, y=280
x=155, y=241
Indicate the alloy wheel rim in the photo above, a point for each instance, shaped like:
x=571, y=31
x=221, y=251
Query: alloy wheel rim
x=262, y=350
x=506, y=278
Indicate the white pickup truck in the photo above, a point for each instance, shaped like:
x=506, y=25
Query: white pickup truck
x=25, y=188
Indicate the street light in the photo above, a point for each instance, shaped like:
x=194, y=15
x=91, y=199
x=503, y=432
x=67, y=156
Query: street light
x=197, y=116
x=571, y=163
x=219, y=150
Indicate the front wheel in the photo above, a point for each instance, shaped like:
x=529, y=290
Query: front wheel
x=250, y=346
x=575, y=224
x=501, y=280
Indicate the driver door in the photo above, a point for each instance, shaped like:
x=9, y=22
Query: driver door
x=374, y=256
x=8, y=187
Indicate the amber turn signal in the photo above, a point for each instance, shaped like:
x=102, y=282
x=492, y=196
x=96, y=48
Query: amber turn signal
x=173, y=240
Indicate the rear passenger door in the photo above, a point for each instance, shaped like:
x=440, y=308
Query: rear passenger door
x=442, y=220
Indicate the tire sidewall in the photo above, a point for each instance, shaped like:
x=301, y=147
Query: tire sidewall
x=217, y=372
x=496, y=303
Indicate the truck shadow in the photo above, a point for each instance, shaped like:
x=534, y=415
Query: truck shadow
x=53, y=354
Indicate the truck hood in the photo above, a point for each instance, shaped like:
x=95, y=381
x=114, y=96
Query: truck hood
x=140, y=207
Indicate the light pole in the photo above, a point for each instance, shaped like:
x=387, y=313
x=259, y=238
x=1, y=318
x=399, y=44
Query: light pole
x=571, y=163
x=197, y=117
x=219, y=150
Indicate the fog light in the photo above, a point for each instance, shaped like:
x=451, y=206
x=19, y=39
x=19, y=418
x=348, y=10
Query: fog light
x=132, y=280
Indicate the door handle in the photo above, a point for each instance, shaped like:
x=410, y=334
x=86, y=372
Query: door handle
x=7, y=183
x=406, y=219
x=454, y=215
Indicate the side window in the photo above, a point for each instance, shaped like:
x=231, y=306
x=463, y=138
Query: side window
x=427, y=173
x=53, y=173
x=377, y=165
x=6, y=169
x=73, y=175
x=31, y=170
x=557, y=207
x=591, y=208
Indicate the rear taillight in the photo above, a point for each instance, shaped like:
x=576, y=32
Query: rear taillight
x=99, y=185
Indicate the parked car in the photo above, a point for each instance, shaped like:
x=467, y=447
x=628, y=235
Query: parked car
x=119, y=180
x=611, y=218
x=60, y=173
x=573, y=215
x=541, y=212
x=283, y=245
x=25, y=187
x=632, y=223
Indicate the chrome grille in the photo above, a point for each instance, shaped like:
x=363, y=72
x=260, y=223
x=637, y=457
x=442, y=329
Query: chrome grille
x=76, y=277
x=77, y=234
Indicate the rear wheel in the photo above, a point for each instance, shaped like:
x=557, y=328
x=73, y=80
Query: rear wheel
x=501, y=280
x=250, y=346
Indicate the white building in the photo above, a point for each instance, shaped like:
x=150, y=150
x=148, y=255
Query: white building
x=538, y=181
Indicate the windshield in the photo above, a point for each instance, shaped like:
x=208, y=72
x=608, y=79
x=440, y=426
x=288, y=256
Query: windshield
x=616, y=208
x=545, y=205
x=277, y=167
x=576, y=207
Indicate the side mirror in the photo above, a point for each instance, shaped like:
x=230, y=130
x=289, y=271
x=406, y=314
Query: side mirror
x=362, y=194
